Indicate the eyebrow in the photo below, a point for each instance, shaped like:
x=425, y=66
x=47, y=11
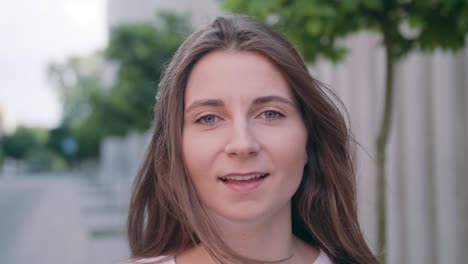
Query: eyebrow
x=272, y=98
x=258, y=101
x=206, y=102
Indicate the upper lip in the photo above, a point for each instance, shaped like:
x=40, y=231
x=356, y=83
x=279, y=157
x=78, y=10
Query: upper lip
x=243, y=173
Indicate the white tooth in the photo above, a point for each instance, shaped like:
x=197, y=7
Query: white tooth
x=243, y=178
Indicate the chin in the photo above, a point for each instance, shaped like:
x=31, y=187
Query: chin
x=244, y=212
x=248, y=212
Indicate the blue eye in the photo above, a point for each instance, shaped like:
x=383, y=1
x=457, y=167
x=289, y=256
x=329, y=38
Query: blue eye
x=271, y=115
x=207, y=119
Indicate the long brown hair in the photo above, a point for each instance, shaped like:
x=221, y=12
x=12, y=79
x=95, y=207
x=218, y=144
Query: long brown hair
x=166, y=216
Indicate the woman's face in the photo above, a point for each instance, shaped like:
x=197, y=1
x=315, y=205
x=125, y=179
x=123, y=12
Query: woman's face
x=243, y=138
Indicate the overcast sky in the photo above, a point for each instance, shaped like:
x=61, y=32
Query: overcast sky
x=34, y=33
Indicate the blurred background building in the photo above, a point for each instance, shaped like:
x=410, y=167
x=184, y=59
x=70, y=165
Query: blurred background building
x=124, y=11
x=7, y=124
x=427, y=156
x=2, y=122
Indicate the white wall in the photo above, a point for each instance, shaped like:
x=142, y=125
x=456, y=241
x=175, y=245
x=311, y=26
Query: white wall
x=426, y=158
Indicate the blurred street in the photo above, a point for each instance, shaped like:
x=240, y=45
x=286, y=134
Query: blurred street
x=59, y=219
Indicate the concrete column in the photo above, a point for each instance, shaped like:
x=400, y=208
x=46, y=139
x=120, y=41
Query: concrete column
x=448, y=119
x=396, y=244
x=362, y=99
x=465, y=198
x=417, y=159
x=460, y=122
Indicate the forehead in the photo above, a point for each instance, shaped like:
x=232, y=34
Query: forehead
x=235, y=74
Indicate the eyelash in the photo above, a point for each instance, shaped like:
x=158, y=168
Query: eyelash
x=279, y=115
x=200, y=120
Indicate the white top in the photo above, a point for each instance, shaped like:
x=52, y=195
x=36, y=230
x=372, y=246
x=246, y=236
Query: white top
x=322, y=259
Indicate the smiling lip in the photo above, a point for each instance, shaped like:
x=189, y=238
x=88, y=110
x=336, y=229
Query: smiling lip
x=244, y=185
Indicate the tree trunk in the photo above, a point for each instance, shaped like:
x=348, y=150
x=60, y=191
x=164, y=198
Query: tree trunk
x=381, y=145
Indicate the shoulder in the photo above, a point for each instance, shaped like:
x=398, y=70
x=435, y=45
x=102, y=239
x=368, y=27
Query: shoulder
x=323, y=258
x=155, y=260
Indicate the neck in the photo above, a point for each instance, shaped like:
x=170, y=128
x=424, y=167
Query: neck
x=269, y=238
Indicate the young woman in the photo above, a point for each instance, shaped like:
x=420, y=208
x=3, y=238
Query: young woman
x=249, y=162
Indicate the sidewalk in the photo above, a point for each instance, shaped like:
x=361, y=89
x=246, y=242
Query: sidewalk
x=54, y=233
x=61, y=220
x=105, y=220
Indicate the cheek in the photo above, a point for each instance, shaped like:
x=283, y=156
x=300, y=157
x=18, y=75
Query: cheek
x=287, y=151
x=290, y=157
x=189, y=146
x=286, y=144
x=199, y=152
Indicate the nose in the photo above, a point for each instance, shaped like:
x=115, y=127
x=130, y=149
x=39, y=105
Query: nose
x=242, y=141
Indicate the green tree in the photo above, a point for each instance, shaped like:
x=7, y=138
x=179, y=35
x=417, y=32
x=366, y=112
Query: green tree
x=1, y=156
x=79, y=81
x=19, y=144
x=141, y=51
x=317, y=26
x=31, y=144
x=76, y=80
x=135, y=56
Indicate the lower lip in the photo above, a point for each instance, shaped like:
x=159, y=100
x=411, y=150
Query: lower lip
x=247, y=186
